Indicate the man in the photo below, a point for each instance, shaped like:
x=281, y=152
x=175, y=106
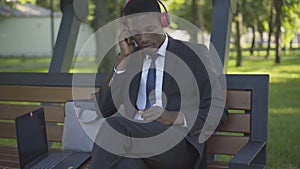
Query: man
x=156, y=100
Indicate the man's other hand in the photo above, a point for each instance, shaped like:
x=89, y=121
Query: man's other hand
x=157, y=113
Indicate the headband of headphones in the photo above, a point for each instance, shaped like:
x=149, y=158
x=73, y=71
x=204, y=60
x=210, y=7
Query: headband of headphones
x=129, y=1
x=164, y=17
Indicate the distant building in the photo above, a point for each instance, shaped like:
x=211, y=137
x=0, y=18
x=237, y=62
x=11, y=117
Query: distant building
x=26, y=31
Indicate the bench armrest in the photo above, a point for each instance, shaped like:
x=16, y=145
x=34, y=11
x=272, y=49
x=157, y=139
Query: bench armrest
x=244, y=158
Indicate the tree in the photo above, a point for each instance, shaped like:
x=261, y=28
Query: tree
x=290, y=20
x=104, y=12
x=238, y=19
x=55, y=4
x=255, y=16
x=287, y=23
x=192, y=11
x=278, y=7
x=270, y=24
x=250, y=13
x=196, y=18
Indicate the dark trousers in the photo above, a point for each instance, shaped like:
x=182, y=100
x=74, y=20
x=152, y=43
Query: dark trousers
x=114, y=147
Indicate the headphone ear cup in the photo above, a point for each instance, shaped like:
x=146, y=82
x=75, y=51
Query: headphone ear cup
x=164, y=19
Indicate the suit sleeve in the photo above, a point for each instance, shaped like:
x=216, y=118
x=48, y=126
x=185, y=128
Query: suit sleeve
x=108, y=99
x=104, y=99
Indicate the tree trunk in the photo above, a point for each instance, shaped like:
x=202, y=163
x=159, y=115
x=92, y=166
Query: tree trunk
x=197, y=19
x=261, y=40
x=253, y=38
x=103, y=16
x=270, y=31
x=298, y=38
x=239, y=28
x=291, y=44
x=278, y=5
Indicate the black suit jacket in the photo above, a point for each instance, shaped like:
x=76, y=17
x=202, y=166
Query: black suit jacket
x=189, y=77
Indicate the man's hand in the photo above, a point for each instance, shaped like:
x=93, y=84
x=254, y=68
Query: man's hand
x=127, y=46
x=161, y=115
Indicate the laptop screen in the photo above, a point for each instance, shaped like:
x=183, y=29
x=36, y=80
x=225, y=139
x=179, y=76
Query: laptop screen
x=31, y=136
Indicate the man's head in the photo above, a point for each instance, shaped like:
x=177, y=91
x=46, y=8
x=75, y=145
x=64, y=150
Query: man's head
x=143, y=22
x=141, y=6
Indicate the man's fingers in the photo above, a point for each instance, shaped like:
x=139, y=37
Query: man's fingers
x=152, y=118
x=149, y=110
x=147, y=114
x=152, y=113
x=126, y=48
x=124, y=35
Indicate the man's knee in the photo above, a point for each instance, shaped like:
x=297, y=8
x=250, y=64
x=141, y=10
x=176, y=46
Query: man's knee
x=117, y=123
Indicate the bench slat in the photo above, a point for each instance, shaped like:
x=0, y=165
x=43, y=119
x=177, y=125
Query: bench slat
x=229, y=145
x=11, y=111
x=9, y=151
x=238, y=99
x=8, y=130
x=9, y=157
x=54, y=133
x=9, y=164
x=43, y=94
x=237, y=123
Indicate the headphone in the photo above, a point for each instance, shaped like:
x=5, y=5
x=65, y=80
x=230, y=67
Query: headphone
x=164, y=16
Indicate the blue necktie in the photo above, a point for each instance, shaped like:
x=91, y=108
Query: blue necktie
x=150, y=84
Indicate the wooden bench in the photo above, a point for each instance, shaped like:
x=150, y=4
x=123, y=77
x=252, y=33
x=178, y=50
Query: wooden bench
x=244, y=137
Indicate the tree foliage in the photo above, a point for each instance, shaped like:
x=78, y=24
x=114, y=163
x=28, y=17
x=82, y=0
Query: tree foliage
x=187, y=9
x=290, y=20
x=256, y=15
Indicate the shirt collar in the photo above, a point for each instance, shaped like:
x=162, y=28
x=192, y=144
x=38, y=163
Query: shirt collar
x=163, y=48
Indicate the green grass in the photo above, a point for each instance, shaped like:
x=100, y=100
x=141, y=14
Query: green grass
x=284, y=106
x=41, y=64
x=284, y=98
x=17, y=64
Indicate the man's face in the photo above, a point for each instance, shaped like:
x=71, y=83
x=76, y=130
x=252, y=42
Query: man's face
x=146, y=30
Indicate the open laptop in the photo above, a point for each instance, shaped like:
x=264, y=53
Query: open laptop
x=33, y=146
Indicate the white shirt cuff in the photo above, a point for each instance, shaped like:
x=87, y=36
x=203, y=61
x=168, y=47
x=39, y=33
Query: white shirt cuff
x=184, y=121
x=118, y=71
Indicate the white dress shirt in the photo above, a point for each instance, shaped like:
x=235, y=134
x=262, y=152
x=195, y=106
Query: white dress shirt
x=159, y=66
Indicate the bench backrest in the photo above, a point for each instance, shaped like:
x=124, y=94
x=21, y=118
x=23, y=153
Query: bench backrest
x=24, y=92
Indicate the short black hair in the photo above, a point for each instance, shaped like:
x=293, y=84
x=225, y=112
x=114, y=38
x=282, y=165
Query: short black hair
x=140, y=6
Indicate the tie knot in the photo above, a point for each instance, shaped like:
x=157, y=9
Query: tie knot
x=153, y=58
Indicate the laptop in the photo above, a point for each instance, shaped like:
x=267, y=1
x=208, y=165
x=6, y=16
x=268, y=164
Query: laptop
x=33, y=146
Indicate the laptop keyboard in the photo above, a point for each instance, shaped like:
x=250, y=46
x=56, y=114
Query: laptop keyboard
x=51, y=160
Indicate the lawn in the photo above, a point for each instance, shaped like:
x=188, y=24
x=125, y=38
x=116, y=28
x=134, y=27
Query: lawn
x=284, y=99
x=284, y=106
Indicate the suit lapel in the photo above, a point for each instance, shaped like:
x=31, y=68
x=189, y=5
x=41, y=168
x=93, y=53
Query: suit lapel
x=170, y=64
x=136, y=65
